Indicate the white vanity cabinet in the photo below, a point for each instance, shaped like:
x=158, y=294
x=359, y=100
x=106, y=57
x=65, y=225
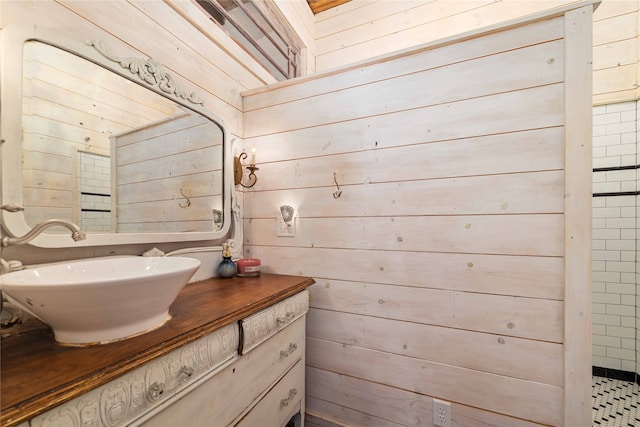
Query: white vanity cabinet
x=262, y=386
x=232, y=353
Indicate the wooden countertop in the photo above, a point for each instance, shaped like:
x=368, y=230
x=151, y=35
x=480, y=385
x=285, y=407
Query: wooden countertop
x=37, y=374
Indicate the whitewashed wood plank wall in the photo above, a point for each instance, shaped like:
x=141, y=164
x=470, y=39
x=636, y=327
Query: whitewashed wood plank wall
x=194, y=50
x=441, y=268
x=363, y=29
x=163, y=168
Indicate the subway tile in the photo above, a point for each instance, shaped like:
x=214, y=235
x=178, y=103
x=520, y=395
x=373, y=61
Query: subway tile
x=628, y=343
x=621, y=223
x=607, y=255
x=607, y=187
x=598, y=286
x=598, y=202
x=621, y=288
x=628, y=365
x=606, y=298
x=606, y=362
x=626, y=245
x=628, y=322
x=606, y=212
x=621, y=353
x=609, y=234
x=598, y=350
x=607, y=162
x=619, y=331
x=628, y=116
x=607, y=140
x=622, y=150
x=599, y=109
x=609, y=118
x=629, y=138
x=608, y=321
x=608, y=276
x=621, y=267
x=599, y=130
x=620, y=106
x=607, y=341
x=622, y=310
x=598, y=308
x=628, y=277
x=620, y=128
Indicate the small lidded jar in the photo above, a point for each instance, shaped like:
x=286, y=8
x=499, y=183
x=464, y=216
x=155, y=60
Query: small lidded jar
x=248, y=267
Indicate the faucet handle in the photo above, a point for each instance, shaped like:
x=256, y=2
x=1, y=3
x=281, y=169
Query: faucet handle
x=12, y=207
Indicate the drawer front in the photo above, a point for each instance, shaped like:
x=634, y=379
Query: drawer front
x=260, y=326
x=147, y=387
x=220, y=399
x=280, y=403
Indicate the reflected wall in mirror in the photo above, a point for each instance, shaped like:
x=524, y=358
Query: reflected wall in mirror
x=113, y=143
x=112, y=155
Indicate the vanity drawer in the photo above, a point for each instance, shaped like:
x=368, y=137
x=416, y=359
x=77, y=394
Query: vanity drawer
x=218, y=400
x=280, y=403
x=259, y=327
x=147, y=388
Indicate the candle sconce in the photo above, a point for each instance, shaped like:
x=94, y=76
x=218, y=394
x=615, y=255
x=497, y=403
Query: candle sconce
x=238, y=171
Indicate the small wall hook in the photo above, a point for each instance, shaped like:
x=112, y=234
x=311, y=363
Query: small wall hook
x=338, y=192
x=184, y=204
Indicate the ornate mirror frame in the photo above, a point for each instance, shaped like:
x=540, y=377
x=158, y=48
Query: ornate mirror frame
x=14, y=223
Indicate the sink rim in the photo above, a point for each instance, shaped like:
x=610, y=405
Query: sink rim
x=31, y=276
x=104, y=309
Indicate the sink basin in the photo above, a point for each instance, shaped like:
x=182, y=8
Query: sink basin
x=101, y=300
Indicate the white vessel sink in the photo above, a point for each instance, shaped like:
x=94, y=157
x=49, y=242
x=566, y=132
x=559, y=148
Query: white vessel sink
x=101, y=300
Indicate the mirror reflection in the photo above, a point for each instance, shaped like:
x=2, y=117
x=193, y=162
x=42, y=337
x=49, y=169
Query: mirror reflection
x=112, y=155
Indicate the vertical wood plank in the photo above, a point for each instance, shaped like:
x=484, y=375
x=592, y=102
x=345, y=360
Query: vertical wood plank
x=578, y=160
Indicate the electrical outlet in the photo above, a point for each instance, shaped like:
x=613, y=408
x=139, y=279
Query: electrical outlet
x=285, y=229
x=441, y=413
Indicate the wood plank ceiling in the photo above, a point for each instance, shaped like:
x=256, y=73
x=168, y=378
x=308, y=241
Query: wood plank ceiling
x=318, y=6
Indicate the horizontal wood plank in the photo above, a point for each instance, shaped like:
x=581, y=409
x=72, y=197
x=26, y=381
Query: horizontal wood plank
x=493, y=353
x=536, y=235
x=509, y=396
x=502, y=275
x=331, y=393
x=414, y=62
x=525, y=193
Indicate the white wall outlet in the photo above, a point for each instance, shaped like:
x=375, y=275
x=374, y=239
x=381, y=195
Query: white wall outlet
x=285, y=229
x=441, y=413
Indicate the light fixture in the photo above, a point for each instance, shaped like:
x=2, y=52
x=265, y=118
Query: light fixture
x=287, y=213
x=238, y=169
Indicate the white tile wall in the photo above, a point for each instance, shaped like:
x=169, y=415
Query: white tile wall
x=95, y=177
x=616, y=137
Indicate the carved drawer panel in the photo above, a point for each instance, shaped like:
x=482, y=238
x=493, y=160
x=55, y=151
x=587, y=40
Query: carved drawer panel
x=260, y=326
x=134, y=394
x=280, y=403
x=219, y=400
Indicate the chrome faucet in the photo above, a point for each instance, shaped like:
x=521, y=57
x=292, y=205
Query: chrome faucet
x=76, y=232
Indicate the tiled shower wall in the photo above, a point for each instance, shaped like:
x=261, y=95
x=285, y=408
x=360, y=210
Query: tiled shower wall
x=615, y=231
x=95, y=192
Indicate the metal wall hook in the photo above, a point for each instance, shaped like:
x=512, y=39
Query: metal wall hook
x=184, y=204
x=338, y=192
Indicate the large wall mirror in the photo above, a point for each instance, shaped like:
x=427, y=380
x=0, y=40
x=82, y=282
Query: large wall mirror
x=114, y=144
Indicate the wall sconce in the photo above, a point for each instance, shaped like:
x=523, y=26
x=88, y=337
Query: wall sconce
x=287, y=213
x=238, y=169
x=217, y=218
x=285, y=223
